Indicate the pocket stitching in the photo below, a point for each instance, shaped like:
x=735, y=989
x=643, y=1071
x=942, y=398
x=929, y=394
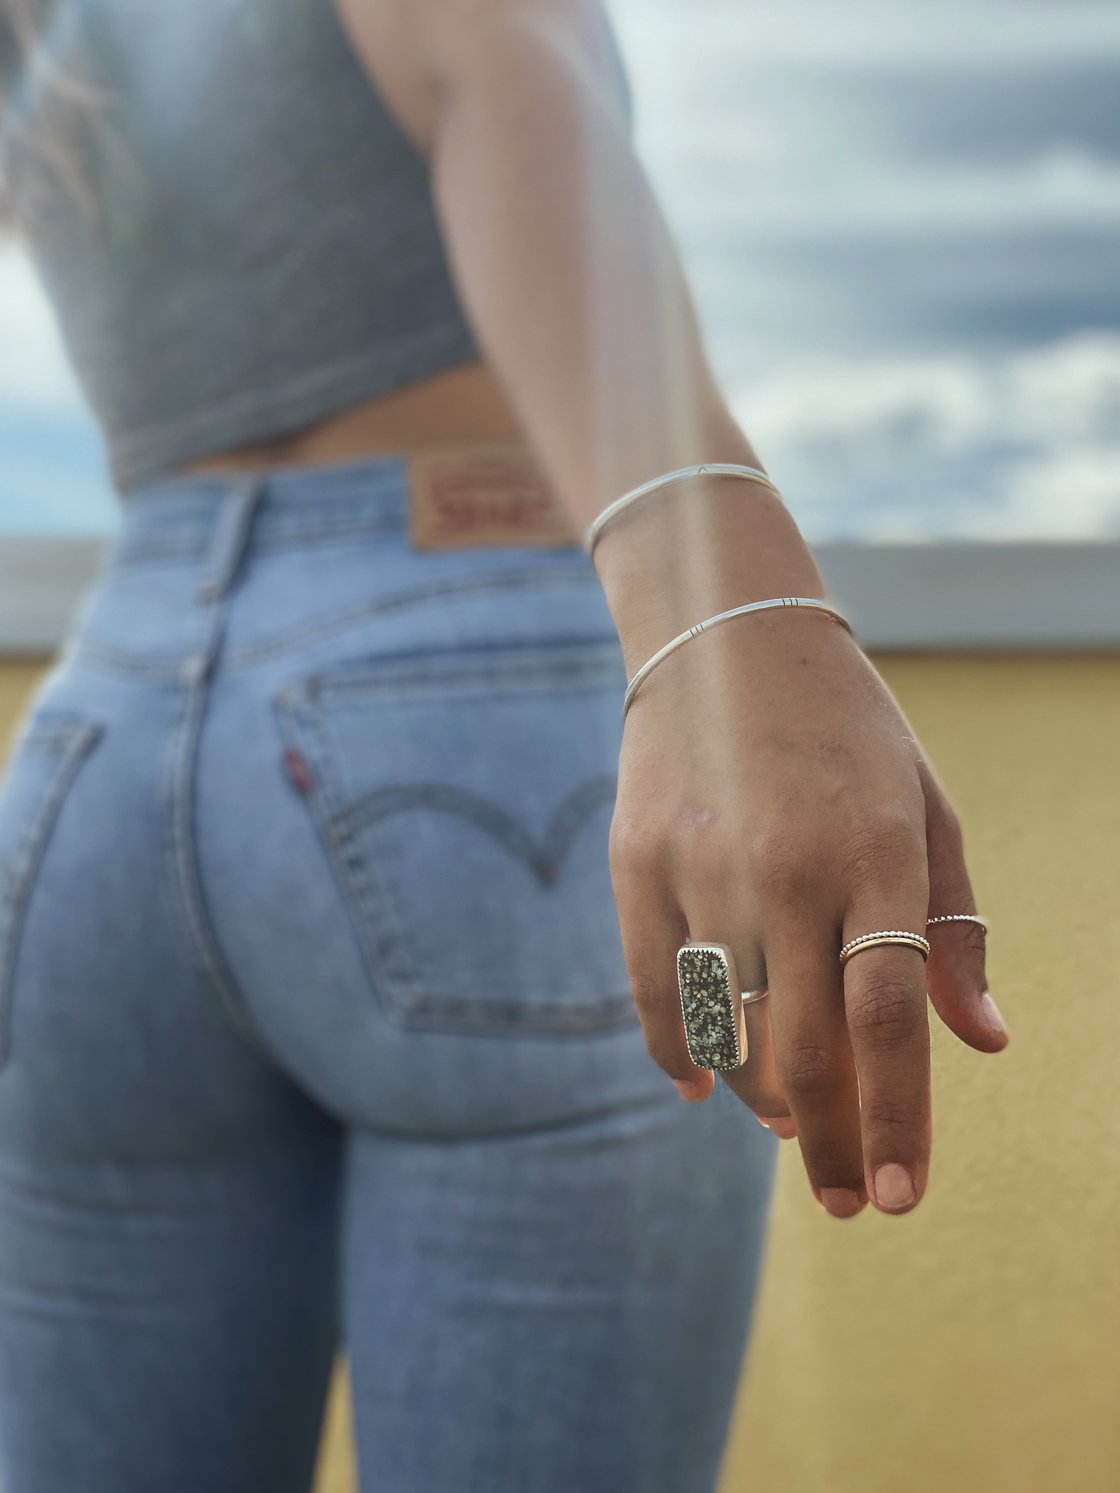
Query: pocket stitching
x=543, y=856
x=372, y=914
x=77, y=737
x=478, y=670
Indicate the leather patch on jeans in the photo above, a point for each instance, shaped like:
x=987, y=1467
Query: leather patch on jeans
x=481, y=493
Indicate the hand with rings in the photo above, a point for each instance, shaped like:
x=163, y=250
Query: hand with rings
x=792, y=890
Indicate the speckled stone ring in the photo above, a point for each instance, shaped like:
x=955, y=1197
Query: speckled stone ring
x=712, y=1005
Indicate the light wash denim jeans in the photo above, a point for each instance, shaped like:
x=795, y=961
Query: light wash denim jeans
x=316, y=1033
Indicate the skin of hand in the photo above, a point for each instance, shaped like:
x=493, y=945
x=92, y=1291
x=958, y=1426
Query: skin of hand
x=772, y=795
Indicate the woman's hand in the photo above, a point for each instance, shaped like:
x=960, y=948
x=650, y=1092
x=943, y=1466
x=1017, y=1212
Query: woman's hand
x=772, y=797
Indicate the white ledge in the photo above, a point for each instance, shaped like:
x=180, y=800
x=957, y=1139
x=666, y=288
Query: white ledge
x=937, y=596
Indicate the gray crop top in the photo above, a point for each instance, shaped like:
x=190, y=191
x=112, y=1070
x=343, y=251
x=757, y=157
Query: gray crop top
x=266, y=251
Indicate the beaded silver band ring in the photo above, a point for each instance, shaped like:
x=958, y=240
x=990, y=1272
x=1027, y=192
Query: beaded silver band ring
x=884, y=936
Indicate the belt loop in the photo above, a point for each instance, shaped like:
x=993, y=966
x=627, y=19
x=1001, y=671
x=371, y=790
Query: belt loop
x=231, y=534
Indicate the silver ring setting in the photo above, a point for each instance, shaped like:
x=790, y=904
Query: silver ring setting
x=712, y=1003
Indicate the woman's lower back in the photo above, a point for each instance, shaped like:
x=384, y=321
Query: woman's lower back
x=463, y=403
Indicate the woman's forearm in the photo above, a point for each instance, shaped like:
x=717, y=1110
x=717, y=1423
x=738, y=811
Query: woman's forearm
x=567, y=268
x=569, y=274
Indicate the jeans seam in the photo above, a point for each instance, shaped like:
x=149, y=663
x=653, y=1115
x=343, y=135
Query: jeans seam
x=99, y=652
x=432, y=592
x=183, y=882
x=139, y=555
x=88, y=652
x=467, y=667
x=79, y=738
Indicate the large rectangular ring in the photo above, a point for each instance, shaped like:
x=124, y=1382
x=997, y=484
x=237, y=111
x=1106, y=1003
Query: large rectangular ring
x=712, y=1005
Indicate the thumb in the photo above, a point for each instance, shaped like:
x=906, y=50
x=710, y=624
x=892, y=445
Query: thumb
x=956, y=977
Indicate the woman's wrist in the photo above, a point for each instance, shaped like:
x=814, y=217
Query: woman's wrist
x=695, y=548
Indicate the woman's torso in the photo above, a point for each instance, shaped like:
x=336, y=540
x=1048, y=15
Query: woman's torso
x=263, y=279
x=463, y=403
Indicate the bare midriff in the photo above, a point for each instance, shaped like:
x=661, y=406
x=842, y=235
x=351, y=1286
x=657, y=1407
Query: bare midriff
x=463, y=403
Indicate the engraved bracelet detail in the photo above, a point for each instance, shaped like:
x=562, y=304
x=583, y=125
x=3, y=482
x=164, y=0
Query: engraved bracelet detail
x=698, y=627
x=716, y=469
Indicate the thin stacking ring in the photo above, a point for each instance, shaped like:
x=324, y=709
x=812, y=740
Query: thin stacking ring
x=883, y=936
x=959, y=917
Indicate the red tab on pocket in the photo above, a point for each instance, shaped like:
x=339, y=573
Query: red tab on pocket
x=295, y=764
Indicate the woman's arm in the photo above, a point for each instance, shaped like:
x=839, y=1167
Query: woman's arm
x=772, y=795
x=576, y=293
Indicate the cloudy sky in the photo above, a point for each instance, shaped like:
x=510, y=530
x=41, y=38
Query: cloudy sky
x=902, y=225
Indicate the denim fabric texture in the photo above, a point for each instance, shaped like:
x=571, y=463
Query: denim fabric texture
x=316, y=1034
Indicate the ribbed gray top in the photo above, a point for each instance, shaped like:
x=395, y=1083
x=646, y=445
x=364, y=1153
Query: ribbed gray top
x=265, y=252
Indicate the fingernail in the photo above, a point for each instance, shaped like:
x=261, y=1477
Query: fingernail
x=991, y=1011
x=841, y=1202
x=764, y=1123
x=688, y=1091
x=894, y=1187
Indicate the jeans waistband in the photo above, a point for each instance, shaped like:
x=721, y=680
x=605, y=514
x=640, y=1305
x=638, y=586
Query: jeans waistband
x=213, y=519
x=474, y=494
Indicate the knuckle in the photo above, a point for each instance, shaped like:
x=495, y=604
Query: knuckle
x=632, y=852
x=886, y=1015
x=880, y=844
x=893, y=1117
x=783, y=868
x=975, y=939
x=808, y=1071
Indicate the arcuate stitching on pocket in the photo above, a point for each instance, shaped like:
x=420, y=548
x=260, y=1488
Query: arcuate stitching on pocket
x=72, y=741
x=343, y=824
x=545, y=675
x=543, y=857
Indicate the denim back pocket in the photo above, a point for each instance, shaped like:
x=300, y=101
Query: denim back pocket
x=48, y=749
x=464, y=798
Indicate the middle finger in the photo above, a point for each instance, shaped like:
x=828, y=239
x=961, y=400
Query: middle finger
x=814, y=1058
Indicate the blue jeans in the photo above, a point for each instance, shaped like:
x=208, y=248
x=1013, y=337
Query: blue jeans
x=316, y=1033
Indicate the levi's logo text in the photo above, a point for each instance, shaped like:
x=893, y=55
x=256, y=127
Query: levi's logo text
x=483, y=493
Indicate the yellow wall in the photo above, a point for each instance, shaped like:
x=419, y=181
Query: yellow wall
x=972, y=1346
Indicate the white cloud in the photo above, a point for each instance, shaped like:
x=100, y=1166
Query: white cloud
x=1020, y=444
x=676, y=44
x=1062, y=187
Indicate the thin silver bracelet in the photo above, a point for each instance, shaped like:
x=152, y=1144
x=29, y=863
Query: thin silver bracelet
x=719, y=469
x=699, y=627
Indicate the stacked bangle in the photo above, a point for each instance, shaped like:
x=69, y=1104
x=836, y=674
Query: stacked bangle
x=718, y=469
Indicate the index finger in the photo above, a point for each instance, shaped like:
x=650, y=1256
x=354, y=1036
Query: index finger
x=888, y=1025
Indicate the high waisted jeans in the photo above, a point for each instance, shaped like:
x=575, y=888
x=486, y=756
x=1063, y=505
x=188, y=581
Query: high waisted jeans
x=316, y=1033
